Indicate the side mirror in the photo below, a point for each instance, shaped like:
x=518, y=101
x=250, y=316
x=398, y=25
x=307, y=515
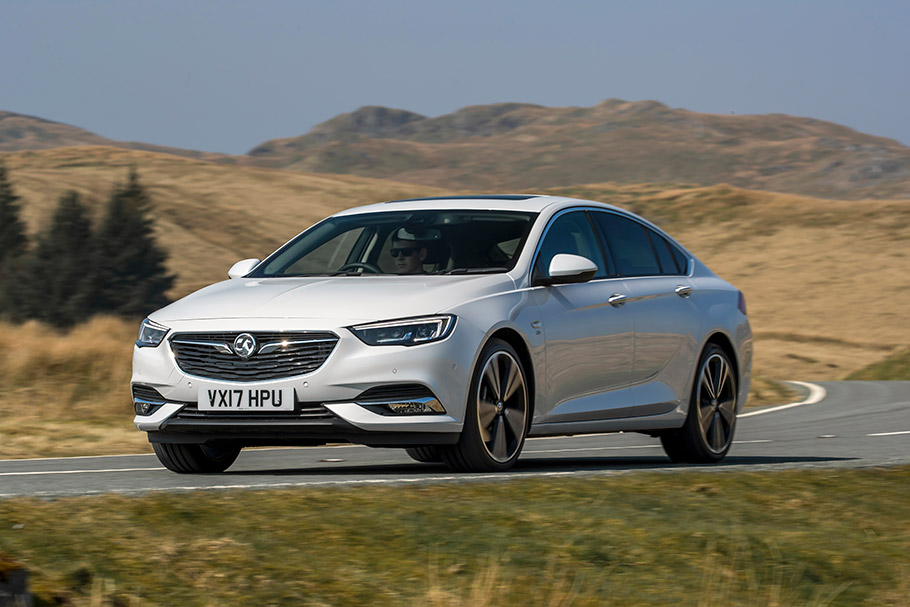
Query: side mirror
x=566, y=268
x=242, y=268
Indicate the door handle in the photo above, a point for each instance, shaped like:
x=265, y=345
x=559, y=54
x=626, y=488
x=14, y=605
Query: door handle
x=683, y=290
x=616, y=300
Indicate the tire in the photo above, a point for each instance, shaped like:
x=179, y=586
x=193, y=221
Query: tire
x=497, y=415
x=195, y=458
x=425, y=455
x=707, y=434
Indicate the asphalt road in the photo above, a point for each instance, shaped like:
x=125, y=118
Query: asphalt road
x=839, y=424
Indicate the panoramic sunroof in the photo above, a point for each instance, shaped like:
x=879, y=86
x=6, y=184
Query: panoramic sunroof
x=491, y=197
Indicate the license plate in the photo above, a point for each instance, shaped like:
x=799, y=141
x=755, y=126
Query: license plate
x=232, y=398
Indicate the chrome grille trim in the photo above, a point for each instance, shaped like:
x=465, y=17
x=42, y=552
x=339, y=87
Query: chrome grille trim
x=290, y=354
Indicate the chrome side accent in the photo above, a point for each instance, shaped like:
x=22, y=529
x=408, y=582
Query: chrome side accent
x=617, y=299
x=683, y=290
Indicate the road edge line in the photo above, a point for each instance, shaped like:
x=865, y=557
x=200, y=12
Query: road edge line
x=816, y=394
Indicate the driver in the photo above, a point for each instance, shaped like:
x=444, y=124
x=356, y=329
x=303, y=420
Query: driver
x=408, y=252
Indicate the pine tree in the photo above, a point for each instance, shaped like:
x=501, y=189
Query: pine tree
x=130, y=279
x=12, y=231
x=54, y=280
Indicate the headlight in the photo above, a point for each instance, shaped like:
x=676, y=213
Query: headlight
x=150, y=334
x=405, y=332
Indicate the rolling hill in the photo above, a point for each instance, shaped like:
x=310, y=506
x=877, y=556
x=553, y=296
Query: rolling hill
x=826, y=281
x=520, y=147
x=806, y=265
x=515, y=146
x=20, y=132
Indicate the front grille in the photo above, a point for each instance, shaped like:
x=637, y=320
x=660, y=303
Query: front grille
x=301, y=411
x=278, y=355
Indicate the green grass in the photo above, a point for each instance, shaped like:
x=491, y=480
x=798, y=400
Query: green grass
x=895, y=367
x=694, y=538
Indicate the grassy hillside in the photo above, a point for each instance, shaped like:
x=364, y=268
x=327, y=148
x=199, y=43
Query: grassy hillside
x=207, y=215
x=826, y=281
x=20, y=132
x=515, y=146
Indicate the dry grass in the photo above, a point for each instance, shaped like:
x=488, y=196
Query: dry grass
x=67, y=393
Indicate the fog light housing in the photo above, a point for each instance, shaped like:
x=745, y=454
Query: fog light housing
x=412, y=406
x=421, y=406
x=145, y=408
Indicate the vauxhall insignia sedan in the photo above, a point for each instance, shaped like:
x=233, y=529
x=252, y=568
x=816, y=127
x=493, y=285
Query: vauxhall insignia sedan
x=454, y=328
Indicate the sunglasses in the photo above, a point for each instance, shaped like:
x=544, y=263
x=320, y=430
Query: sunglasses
x=404, y=251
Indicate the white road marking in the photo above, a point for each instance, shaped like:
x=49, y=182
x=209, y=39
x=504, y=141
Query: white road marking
x=595, y=449
x=736, y=442
x=45, y=472
x=816, y=393
x=570, y=436
x=50, y=459
x=889, y=433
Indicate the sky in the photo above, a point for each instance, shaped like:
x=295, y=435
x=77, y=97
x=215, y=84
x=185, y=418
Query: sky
x=224, y=76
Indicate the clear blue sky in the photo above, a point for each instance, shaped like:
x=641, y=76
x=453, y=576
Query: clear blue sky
x=226, y=75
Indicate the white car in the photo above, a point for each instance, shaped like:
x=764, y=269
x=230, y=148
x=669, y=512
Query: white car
x=455, y=328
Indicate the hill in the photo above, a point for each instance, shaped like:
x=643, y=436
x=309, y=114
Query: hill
x=807, y=265
x=518, y=146
x=207, y=215
x=20, y=132
x=825, y=281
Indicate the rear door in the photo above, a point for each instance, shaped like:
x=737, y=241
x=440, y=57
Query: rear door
x=666, y=319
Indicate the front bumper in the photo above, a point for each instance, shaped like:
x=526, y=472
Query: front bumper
x=353, y=368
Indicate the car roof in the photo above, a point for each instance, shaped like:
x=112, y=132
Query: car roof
x=500, y=202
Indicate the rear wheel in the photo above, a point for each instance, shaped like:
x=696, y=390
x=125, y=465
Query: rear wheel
x=707, y=434
x=497, y=414
x=194, y=458
x=426, y=455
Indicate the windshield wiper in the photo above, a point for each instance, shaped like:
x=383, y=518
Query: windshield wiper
x=493, y=270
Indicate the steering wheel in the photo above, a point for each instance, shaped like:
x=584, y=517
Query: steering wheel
x=370, y=267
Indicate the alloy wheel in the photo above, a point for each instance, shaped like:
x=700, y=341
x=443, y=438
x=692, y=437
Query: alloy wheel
x=716, y=403
x=502, y=406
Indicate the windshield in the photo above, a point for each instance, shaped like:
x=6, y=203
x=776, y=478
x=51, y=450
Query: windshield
x=404, y=242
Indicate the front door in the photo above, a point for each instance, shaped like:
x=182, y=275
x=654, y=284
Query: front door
x=589, y=341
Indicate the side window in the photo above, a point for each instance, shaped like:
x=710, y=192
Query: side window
x=665, y=256
x=571, y=233
x=682, y=261
x=629, y=245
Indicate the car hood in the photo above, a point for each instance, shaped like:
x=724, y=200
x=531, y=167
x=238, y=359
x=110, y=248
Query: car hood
x=351, y=298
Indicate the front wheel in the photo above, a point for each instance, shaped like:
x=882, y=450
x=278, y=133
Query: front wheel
x=497, y=413
x=426, y=455
x=193, y=458
x=707, y=434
